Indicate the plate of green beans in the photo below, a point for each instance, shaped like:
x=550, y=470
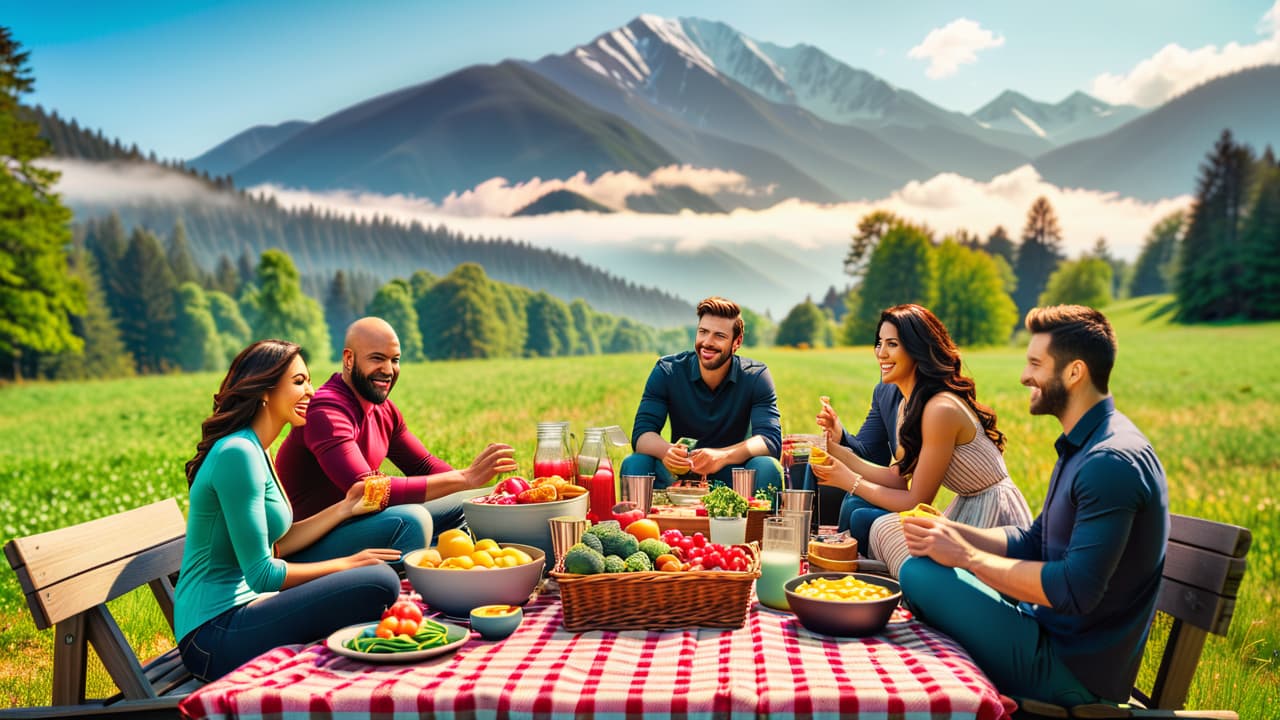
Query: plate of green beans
x=433, y=638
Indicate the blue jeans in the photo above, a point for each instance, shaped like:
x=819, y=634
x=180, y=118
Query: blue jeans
x=1006, y=642
x=856, y=516
x=768, y=471
x=403, y=527
x=301, y=614
x=446, y=514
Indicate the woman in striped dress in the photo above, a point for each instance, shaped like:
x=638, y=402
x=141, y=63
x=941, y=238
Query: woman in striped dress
x=946, y=438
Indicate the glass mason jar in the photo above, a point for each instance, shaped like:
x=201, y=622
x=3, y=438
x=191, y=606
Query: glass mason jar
x=552, y=455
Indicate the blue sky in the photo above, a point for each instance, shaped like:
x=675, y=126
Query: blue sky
x=180, y=77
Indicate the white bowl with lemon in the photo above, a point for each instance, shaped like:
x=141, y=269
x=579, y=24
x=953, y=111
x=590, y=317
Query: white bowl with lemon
x=459, y=574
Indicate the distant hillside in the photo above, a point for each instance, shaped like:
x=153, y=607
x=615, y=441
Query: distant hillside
x=558, y=201
x=1158, y=154
x=454, y=133
x=233, y=223
x=246, y=147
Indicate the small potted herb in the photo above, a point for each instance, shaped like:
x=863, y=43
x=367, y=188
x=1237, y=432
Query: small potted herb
x=727, y=515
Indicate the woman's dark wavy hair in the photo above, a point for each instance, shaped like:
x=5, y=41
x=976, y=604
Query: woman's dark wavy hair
x=927, y=341
x=254, y=371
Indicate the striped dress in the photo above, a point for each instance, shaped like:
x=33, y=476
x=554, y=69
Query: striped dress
x=985, y=496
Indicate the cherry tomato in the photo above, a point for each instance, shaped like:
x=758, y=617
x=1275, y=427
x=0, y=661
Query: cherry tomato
x=407, y=626
x=387, y=628
x=699, y=539
x=713, y=559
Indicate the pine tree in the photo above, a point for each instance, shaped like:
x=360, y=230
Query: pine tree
x=999, y=244
x=181, y=262
x=38, y=296
x=458, y=316
x=340, y=310
x=1153, y=269
x=226, y=278
x=145, y=291
x=1211, y=261
x=1038, y=255
x=1260, y=243
x=104, y=353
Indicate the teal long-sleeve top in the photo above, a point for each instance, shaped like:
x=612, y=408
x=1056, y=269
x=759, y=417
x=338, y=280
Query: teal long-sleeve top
x=237, y=513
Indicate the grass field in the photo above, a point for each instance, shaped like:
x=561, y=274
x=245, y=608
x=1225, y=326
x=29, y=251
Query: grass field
x=1208, y=398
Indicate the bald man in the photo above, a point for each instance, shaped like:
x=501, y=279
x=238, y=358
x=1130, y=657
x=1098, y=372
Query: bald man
x=352, y=427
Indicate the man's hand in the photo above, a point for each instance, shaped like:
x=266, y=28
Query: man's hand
x=937, y=538
x=677, y=459
x=829, y=421
x=706, y=461
x=495, y=459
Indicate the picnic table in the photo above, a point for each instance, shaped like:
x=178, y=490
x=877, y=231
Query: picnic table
x=770, y=666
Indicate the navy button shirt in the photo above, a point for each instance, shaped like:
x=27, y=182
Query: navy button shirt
x=1102, y=537
x=744, y=404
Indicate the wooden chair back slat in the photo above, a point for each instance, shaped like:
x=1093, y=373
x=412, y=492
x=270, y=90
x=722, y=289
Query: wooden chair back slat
x=1205, y=569
x=1230, y=540
x=51, y=557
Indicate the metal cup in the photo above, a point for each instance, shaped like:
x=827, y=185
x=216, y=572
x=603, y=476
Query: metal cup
x=566, y=531
x=799, y=504
x=744, y=482
x=638, y=489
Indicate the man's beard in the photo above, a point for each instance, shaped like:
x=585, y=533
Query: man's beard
x=715, y=364
x=1053, y=399
x=366, y=389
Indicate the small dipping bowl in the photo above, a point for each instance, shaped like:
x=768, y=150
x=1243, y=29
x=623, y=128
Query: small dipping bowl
x=495, y=622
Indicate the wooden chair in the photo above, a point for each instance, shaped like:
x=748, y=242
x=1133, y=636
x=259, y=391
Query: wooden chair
x=1203, y=567
x=68, y=576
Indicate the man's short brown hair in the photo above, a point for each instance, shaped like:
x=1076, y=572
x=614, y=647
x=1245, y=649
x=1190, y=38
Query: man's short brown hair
x=1077, y=332
x=717, y=306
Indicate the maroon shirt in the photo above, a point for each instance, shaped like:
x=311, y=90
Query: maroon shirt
x=345, y=438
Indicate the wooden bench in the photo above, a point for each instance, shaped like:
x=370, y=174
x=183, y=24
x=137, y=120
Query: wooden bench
x=1203, y=567
x=68, y=576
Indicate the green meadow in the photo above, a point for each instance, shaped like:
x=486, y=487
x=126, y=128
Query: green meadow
x=1208, y=397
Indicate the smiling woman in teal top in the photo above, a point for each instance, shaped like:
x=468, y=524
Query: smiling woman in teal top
x=238, y=594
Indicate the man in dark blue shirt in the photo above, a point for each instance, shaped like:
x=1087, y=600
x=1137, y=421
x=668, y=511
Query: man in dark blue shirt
x=712, y=395
x=1087, y=571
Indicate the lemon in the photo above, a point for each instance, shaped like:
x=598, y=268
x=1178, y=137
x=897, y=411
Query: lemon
x=454, y=543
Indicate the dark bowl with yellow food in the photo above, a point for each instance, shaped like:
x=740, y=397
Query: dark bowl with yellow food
x=843, y=604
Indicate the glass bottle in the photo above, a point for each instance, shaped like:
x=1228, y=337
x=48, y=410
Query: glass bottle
x=779, y=560
x=595, y=473
x=552, y=456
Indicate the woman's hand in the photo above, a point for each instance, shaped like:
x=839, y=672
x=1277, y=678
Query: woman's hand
x=837, y=474
x=829, y=421
x=353, y=503
x=937, y=538
x=373, y=556
x=495, y=459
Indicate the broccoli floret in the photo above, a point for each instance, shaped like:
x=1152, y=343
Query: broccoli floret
x=614, y=564
x=592, y=541
x=604, y=525
x=582, y=560
x=617, y=542
x=638, y=562
x=653, y=548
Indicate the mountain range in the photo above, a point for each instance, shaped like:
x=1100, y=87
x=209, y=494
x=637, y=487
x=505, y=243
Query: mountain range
x=795, y=121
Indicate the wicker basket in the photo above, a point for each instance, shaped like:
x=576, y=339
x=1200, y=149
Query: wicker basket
x=658, y=600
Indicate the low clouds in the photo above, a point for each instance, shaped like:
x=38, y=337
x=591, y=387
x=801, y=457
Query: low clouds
x=956, y=44
x=945, y=202
x=1174, y=69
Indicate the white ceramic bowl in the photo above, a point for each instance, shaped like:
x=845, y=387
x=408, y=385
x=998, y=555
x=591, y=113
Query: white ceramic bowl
x=456, y=592
x=524, y=524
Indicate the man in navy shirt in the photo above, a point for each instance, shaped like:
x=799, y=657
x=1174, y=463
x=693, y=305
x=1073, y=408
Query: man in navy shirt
x=1085, y=575
x=712, y=395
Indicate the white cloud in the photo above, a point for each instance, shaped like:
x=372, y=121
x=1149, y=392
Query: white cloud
x=949, y=47
x=117, y=182
x=1174, y=69
x=945, y=202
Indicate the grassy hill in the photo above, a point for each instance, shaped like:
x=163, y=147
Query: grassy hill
x=1208, y=398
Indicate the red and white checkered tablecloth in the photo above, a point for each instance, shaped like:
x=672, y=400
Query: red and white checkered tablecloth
x=771, y=666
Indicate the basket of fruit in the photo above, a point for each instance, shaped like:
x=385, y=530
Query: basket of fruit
x=614, y=580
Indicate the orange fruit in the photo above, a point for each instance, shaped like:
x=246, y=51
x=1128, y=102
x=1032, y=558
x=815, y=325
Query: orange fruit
x=644, y=529
x=454, y=543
